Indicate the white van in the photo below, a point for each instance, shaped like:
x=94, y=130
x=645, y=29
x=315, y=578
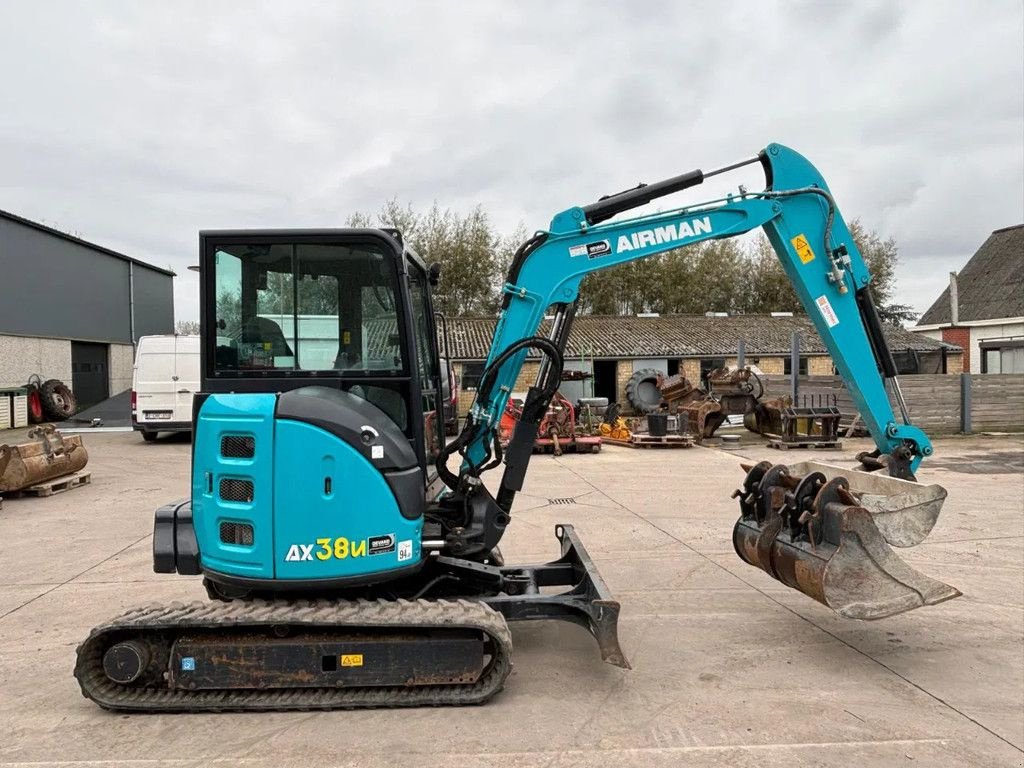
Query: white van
x=165, y=376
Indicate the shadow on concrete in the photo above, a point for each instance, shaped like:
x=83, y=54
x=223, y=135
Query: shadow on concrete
x=115, y=411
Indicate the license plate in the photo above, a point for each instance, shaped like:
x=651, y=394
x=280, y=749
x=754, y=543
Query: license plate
x=155, y=415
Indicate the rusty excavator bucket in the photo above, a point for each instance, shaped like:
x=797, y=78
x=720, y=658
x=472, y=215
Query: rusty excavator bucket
x=43, y=455
x=829, y=532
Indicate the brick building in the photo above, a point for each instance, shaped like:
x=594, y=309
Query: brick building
x=982, y=309
x=610, y=348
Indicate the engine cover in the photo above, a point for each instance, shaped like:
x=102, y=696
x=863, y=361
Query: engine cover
x=311, y=488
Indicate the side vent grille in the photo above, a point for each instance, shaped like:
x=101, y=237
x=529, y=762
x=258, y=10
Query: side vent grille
x=237, y=447
x=236, y=533
x=232, y=489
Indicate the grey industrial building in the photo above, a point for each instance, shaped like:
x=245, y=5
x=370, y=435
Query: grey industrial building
x=72, y=310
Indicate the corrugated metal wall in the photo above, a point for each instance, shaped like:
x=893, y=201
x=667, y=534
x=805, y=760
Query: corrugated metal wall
x=56, y=288
x=154, y=302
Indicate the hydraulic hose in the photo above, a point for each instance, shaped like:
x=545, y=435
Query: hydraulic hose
x=521, y=254
x=483, y=397
x=829, y=217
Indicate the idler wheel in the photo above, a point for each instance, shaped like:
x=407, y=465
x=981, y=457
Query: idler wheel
x=125, y=662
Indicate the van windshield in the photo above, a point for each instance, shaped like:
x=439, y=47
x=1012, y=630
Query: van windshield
x=306, y=307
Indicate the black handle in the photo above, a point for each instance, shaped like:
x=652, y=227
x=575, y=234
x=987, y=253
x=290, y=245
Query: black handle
x=611, y=205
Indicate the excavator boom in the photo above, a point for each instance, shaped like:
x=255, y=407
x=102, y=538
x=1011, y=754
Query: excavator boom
x=815, y=524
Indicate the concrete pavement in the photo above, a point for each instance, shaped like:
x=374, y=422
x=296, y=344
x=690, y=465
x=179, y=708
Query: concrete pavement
x=730, y=668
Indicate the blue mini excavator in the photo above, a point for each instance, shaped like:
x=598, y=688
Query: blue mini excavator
x=351, y=566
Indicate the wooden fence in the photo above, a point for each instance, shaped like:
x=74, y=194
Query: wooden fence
x=995, y=402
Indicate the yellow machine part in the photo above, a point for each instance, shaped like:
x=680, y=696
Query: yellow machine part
x=617, y=431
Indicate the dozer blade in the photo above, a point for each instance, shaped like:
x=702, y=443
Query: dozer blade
x=828, y=532
x=43, y=455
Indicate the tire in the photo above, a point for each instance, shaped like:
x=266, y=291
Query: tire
x=58, y=400
x=642, y=391
x=35, y=406
x=149, y=437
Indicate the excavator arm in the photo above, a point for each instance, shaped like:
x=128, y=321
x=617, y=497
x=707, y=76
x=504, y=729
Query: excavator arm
x=825, y=531
x=807, y=232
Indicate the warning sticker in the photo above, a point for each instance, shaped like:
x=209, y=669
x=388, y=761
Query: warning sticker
x=351, y=659
x=826, y=311
x=578, y=250
x=803, y=249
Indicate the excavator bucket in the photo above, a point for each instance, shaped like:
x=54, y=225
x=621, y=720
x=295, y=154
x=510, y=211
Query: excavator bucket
x=829, y=532
x=43, y=455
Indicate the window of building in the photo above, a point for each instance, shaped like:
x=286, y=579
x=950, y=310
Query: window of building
x=708, y=364
x=787, y=366
x=471, y=373
x=1002, y=357
x=673, y=367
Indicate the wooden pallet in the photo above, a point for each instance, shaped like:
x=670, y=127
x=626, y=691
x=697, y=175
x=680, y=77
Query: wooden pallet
x=662, y=441
x=653, y=441
x=57, y=485
x=612, y=441
x=783, y=445
x=579, y=445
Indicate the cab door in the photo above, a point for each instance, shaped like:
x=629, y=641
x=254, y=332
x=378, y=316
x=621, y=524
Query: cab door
x=427, y=365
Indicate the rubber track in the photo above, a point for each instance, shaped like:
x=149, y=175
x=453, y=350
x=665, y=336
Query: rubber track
x=185, y=618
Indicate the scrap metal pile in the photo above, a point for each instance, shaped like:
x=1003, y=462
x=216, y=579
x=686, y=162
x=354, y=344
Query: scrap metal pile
x=559, y=430
x=727, y=392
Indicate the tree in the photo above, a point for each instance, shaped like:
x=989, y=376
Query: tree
x=728, y=275
x=881, y=256
x=771, y=290
x=187, y=327
x=465, y=245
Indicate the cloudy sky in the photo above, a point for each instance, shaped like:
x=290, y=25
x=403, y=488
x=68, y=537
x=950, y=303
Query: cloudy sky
x=137, y=124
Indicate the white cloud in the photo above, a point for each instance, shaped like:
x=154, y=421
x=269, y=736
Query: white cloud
x=139, y=124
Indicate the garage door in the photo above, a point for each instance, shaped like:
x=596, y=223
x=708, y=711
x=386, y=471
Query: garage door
x=89, y=379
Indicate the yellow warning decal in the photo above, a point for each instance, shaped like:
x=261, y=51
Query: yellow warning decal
x=803, y=249
x=351, y=659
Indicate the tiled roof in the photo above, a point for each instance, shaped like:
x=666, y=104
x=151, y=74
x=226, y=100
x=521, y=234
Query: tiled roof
x=991, y=285
x=613, y=336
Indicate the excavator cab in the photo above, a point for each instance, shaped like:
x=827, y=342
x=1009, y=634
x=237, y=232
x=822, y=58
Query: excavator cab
x=316, y=430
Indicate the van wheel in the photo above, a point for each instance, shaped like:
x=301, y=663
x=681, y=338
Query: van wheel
x=149, y=437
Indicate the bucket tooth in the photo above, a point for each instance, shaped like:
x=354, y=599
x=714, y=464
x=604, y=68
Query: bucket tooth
x=828, y=535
